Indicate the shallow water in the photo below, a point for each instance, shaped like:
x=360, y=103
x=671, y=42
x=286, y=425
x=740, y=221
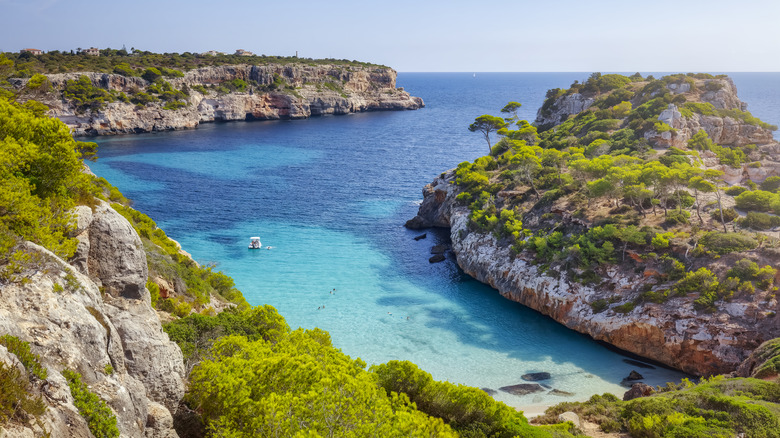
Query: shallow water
x=330, y=196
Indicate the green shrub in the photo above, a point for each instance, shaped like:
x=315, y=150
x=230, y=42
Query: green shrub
x=729, y=214
x=151, y=74
x=744, y=269
x=124, y=69
x=30, y=360
x=599, y=305
x=702, y=280
x=15, y=398
x=200, y=89
x=100, y=418
x=677, y=217
x=625, y=307
x=759, y=221
x=735, y=190
x=154, y=292
x=724, y=243
x=143, y=98
x=771, y=184
x=470, y=411
x=86, y=96
x=174, y=105
x=757, y=200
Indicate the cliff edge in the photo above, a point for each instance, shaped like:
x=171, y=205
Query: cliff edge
x=132, y=104
x=545, y=220
x=94, y=316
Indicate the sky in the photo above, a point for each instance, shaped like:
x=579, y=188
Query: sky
x=423, y=35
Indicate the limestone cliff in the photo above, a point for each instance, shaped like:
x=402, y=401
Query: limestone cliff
x=297, y=91
x=654, y=320
x=93, y=315
x=672, y=333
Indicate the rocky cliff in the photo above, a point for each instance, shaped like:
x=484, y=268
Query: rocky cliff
x=653, y=320
x=672, y=333
x=93, y=315
x=298, y=91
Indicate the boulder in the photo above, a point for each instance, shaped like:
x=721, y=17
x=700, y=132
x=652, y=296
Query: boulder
x=116, y=255
x=533, y=377
x=522, y=388
x=437, y=258
x=633, y=375
x=439, y=249
x=421, y=236
x=561, y=393
x=638, y=390
x=490, y=392
x=570, y=416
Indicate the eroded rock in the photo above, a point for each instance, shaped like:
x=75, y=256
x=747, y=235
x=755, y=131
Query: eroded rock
x=638, y=390
x=522, y=388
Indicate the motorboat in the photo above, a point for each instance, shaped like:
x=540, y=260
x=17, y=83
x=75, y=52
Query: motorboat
x=254, y=243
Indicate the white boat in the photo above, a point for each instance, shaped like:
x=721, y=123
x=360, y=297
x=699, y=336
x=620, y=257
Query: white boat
x=254, y=243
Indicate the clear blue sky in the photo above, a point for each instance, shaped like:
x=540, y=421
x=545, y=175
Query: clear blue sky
x=420, y=35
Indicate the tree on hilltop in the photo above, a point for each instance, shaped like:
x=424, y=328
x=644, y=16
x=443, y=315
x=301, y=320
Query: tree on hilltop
x=487, y=124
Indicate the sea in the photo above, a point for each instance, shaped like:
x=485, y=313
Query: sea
x=329, y=196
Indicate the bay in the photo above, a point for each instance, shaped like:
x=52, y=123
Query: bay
x=330, y=196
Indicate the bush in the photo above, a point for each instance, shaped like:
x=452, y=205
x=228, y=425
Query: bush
x=30, y=360
x=744, y=269
x=677, y=217
x=124, y=69
x=100, y=418
x=724, y=243
x=759, y=221
x=757, y=200
x=151, y=74
x=703, y=280
x=470, y=411
x=86, y=96
x=599, y=306
x=625, y=307
x=771, y=184
x=735, y=190
x=729, y=214
x=15, y=398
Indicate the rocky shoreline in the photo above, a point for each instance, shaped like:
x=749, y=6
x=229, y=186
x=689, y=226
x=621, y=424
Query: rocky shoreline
x=673, y=332
x=308, y=91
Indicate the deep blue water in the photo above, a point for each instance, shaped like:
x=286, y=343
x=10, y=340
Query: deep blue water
x=331, y=194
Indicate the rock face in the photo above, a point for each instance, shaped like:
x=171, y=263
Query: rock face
x=563, y=108
x=672, y=333
x=62, y=312
x=308, y=91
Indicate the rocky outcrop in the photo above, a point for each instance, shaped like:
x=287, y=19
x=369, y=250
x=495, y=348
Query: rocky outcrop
x=672, y=333
x=94, y=317
x=307, y=90
x=638, y=390
x=562, y=108
x=721, y=130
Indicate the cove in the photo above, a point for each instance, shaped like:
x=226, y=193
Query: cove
x=330, y=196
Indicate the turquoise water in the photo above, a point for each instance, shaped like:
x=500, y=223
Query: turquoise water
x=330, y=196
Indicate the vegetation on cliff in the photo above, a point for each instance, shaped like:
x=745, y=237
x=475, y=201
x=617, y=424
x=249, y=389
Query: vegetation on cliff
x=139, y=62
x=718, y=407
x=41, y=179
x=593, y=192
